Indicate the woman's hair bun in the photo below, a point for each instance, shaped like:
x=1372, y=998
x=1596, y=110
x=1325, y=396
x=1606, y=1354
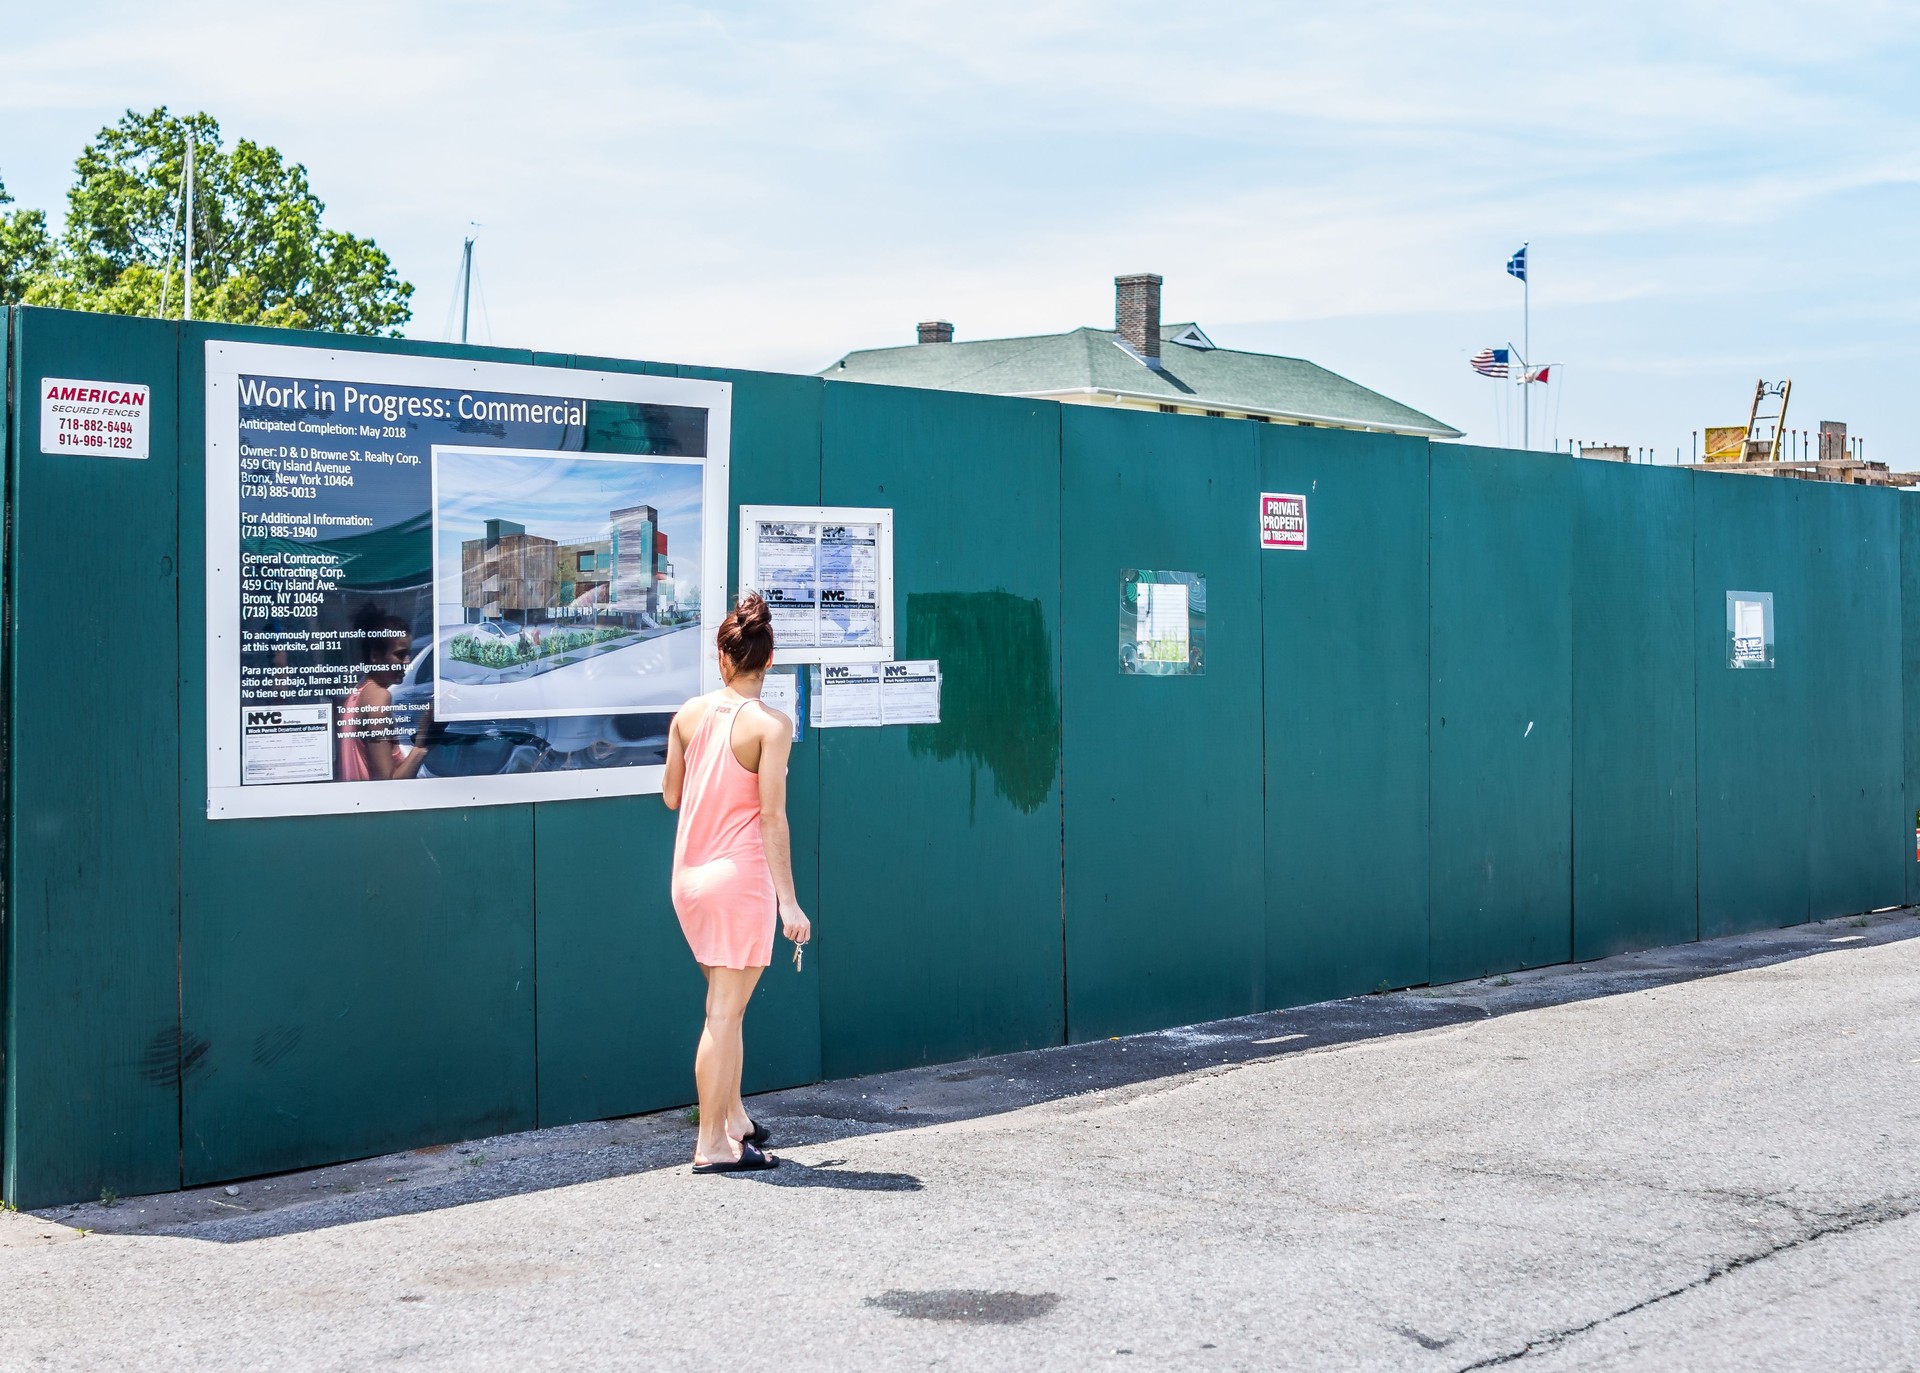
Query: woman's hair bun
x=746, y=635
x=753, y=614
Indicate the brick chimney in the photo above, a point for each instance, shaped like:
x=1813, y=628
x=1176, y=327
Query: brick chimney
x=936, y=331
x=1136, y=314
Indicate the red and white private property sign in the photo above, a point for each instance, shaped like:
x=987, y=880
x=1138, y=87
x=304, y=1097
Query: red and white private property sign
x=1283, y=521
x=107, y=419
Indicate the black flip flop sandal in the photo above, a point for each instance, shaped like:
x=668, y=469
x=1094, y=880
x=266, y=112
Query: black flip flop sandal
x=751, y=1160
x=759, y=1135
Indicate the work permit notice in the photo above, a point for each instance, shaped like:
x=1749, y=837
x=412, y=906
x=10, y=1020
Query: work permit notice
x=821, y=583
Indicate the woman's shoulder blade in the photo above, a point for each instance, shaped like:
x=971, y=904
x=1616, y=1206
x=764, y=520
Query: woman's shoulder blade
x=693, y=710
x=768, y=718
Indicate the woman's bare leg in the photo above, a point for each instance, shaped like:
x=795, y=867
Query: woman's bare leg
x=739, y=1124
x=716, y=1065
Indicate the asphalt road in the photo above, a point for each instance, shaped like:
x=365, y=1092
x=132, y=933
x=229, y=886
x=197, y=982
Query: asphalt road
x=1701, y=1158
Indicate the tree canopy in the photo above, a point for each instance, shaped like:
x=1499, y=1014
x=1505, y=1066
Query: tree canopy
x=26, y=253
x=260, y=252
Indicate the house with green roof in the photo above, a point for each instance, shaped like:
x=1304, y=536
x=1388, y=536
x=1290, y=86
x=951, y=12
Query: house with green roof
x=1140, y=364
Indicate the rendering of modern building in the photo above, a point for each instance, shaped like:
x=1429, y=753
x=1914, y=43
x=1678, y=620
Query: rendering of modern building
x=510, y=574
x=585, y=572
x=1140, y=364
x=638, y=548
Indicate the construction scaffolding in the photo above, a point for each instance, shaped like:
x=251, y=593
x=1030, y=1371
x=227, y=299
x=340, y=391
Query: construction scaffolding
x=1756, y=447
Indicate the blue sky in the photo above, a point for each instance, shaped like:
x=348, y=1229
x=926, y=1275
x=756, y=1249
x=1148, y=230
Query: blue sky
x=1714, y=191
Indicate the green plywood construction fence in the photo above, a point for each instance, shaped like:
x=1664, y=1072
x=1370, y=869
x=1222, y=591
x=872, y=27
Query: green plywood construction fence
x=1635, y=857
x=1502, y=705
x=1909, y=516
x=1856, y=846
x=940, y=863
x=1164, y=871
x=1346, y=670
x=1752, y=726
x=1483, y=721
x=93, y=1051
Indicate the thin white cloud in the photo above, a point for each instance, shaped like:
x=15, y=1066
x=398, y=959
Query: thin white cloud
x=758, y=185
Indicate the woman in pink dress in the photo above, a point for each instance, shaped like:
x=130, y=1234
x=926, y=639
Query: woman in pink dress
x=370, y=749
x=732, y=868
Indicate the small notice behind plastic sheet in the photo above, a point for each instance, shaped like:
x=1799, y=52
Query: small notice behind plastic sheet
x=1163, y=623
x=910, y=693
x=845, y=695
x=849, y=585
x=822, y=583
x=864, y=695
x=286, y=744
x=781, y=690
x=1750, y=629
x=103, y=419
x=788, y=561
x=826, y=573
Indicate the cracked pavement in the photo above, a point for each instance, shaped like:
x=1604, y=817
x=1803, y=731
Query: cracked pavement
x=1701, y=1158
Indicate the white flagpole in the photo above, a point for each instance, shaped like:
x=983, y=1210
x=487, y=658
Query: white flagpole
x=1526, y=348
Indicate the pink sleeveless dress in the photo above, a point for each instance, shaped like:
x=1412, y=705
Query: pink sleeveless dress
x=722, y=887
x=353, y=747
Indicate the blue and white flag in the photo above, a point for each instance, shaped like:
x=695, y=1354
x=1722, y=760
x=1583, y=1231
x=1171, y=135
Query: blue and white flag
x=1490, y=362
x=1517, y=264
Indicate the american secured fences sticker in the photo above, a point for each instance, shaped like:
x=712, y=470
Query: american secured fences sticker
x=107, y=419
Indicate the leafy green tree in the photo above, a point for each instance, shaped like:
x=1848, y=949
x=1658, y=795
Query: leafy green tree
x=26, y=250
x=260, y=253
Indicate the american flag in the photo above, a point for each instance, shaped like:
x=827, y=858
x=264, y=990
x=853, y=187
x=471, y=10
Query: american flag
x=1490, y=362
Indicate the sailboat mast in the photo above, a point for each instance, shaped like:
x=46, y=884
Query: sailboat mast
x=189, y=212
x=466, y=285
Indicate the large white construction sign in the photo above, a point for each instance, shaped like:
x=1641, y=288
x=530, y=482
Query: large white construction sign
x=434, y=582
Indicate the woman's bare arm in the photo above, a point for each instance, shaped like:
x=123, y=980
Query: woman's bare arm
x=776, y=745
x=417, y=755
x=676, y=763
x=374, y=728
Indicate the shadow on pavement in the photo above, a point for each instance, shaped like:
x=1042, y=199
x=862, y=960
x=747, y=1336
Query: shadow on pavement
x=832, y=1173
x=510, y=1165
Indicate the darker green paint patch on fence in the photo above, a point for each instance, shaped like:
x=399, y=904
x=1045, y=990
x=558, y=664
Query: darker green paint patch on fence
x=998, y=709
